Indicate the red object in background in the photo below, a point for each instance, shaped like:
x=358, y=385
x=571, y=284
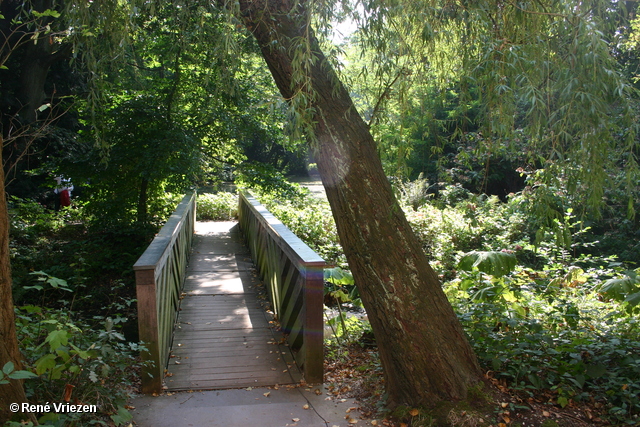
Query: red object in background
x=65, y=198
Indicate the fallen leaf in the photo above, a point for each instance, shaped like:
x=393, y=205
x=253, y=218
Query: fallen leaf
x=306, y=406
x=546, y=414
x=266, y=394
x=414, y=412
x=374, y=422
x=68, y=389
x=295, y=420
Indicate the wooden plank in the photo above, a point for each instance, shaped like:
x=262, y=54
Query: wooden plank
x=225, y=282
x=219, y=262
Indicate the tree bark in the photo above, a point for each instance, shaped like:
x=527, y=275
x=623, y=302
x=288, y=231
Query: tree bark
x=38, y=58
x=425, y=355
x=9, y=352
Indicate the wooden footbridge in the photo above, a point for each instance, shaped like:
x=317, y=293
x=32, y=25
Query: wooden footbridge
x=229, y=305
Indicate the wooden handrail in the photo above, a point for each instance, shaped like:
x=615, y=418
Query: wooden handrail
x=294, y=275
x=160, y=273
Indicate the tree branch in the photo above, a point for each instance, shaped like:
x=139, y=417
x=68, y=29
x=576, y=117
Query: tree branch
x=385, y=94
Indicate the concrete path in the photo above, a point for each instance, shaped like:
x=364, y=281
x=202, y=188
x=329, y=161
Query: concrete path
x=251, y=407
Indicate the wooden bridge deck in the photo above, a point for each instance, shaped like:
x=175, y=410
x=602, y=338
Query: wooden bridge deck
x=224, y=337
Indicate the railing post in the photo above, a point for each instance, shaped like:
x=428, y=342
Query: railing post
x=152, y=369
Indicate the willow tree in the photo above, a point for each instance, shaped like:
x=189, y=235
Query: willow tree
x=422, y=346
x=504, y=48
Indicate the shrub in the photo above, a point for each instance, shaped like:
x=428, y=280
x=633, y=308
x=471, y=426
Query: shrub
x=77, y=362
x=217, y=207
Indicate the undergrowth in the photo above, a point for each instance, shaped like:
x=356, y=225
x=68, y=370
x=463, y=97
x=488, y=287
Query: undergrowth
x=550, y=316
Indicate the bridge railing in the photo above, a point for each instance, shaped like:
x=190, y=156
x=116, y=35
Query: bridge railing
x=293, y=274
x=160, y=273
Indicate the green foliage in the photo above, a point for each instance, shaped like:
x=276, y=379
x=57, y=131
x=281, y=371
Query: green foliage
x=217, y=207
x=9, y=372
x=496, y=264
x=413, y=193
x=268, y=182
x=550, y=330
x=340, y=292
x=71, y=360
x=54, y=252
x=542, y=314
x=311, y=220
x=458, y=221
x=625, y=290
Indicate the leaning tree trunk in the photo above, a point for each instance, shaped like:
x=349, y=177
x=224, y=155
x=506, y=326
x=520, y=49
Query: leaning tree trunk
x=9, y=352
x=424, y=352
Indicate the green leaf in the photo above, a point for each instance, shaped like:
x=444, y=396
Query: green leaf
x=22, y=375
x=56, y=339
x=618, y=289
x=8, y=368
x=338, y=276
x=596, y=371
x=633, y=299
x=563, y=401
x=122, y=417
x=46, y=362
x=497, y=264
x=49, y=12
x=81, y=353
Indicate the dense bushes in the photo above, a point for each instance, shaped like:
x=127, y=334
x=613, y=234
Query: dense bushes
x=75, y=306
x=217, y=207
x=558, y=323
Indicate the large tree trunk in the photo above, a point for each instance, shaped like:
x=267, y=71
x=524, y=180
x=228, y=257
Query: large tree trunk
x=425, y=354
x=38, y=58
x=9, y=352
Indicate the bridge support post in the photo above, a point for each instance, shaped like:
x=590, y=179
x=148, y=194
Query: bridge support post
x=151, y=371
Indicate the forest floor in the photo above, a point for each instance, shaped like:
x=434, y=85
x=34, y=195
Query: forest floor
x=355, y=372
